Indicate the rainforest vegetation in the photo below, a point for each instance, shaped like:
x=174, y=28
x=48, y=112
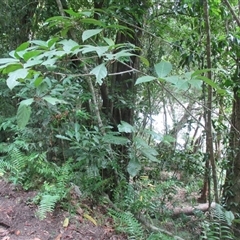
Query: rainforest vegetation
x=133, y=104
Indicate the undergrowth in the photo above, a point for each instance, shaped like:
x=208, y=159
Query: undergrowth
x=218, y=227
x=32, y=171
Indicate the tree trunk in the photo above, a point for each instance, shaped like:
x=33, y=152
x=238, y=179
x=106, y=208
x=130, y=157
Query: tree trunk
x=209, y=136
x=232, y=183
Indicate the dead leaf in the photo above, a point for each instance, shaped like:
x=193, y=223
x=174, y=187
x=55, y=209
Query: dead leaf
x=66, y=222
x=90, y=219
x=17, y=232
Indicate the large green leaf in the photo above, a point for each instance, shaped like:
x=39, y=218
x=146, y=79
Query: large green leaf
x=41, y=43
x=23, y=115
x=31, y=54
x=99, y=50
x=100, y=72
x=125, y=127
x=118, y=140
x=149, y=152
x=163, y=69
x=23, y=46
x=53, y=100
x=11, y=67
x=93, y=21
x=7, y=61
x=89, y=33
x=14, y=76
x=133, y=167
x=145, y=79
x=68, y=45
x=27, y=102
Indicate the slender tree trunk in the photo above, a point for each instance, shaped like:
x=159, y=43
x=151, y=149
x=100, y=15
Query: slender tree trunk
x=209, y=137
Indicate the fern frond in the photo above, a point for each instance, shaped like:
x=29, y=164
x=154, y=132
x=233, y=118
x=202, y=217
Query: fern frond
x=219, y=227
x=127, y=223
x=47, y=205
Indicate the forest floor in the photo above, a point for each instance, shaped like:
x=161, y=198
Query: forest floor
x=18, y=220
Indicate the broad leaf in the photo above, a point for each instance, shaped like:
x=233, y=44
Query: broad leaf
x=68, y=45
x=100, y=72
x=32, y=62
x=89, y=33
x=118, y=140
x=109, y=41
x=125, y=127
x=40, y=43
x=93, y=21
x=31, y=54
x=53, y=100
x=145, y=79
x=23, y=46
x=8, y=61
x=11, y=67
x=23, y=115
x=14, y=76
x=27, y=102
x=163, y=69
x=133, y=168
x=211, y=83
x=99, y=50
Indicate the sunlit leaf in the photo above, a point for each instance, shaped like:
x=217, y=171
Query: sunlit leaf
x=31, y=54
x=163, y=69
x=32, y=62
x=125, y=127
x=99, y=50
x=23, y=46
x=40, y=43
x=14, y=76
x=68, y=45
x=90, y=33
x=27, y=102
x=145, y=79
x=63, y=137
x=11, y=67
x=109, y=41
x=8, y=60
x=53, y=100
x=100, y=72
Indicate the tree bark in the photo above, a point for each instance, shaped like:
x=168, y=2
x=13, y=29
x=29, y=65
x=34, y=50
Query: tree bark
x=232, y=183
x=209, y=137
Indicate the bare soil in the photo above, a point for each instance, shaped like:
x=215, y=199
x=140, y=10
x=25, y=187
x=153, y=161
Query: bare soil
x=18, y=220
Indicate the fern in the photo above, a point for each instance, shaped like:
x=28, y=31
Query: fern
x=219, y=227
x=47, y=205
x=125, y=222
x=33, y=170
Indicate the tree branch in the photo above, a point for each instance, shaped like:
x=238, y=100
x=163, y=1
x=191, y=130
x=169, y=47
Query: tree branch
x=232, y=12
